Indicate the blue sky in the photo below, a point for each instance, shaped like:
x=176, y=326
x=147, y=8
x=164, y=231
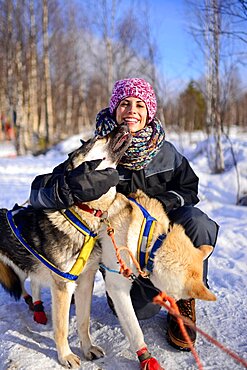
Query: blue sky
x=181, y=58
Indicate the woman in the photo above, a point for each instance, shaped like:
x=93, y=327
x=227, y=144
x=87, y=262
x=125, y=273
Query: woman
x=151, y=164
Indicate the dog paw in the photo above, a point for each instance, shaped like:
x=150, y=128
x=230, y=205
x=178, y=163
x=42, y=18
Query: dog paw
x=70, y=361
x=150, y=364
x=40, y=317
x=94, y=353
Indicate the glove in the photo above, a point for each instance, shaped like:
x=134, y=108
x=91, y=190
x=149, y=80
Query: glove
x=86, y=183
x=147, y=362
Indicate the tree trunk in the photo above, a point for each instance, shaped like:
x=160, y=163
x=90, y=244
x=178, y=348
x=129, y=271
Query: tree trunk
x=22, y=134
x=68, y=119
x=108, y=39
x=33, y=86
x=10, y=72
x=47, y=78
x=215, y=152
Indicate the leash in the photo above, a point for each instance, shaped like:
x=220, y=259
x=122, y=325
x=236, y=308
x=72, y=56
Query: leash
x=128, y=273
x=161, y=298
x=124, y=269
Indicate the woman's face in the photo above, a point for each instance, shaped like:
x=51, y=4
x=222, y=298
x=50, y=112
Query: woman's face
x=134, y=112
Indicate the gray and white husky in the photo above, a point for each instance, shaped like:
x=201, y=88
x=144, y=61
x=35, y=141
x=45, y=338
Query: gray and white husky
x=52, y=236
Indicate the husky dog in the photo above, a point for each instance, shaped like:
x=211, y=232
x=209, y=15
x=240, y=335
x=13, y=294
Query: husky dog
x=52, y=236
x=177, y=265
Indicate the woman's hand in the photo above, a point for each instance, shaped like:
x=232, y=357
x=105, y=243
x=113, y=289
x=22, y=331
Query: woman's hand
x=87, y=183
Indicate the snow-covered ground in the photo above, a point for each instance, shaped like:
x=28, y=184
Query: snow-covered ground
x=25, y=345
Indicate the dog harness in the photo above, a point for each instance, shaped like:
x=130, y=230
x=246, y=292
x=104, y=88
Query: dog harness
x=84, y=254
x=144, y=257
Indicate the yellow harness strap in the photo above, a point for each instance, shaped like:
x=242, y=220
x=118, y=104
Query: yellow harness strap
x=90, y=239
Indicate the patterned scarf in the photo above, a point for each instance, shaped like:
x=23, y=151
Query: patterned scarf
x=145, y=143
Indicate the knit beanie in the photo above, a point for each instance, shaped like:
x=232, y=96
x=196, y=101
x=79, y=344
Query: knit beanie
x=138, y=88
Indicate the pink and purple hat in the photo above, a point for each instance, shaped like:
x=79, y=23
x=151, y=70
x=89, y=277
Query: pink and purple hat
x=138, y=88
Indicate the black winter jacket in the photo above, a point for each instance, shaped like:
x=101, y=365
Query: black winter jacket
x=168, y=177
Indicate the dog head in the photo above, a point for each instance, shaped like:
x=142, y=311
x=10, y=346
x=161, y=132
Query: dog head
x=194, y=277
x=109, y=148
x=178, y=267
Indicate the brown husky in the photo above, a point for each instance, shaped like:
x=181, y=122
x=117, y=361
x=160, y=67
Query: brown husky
x=177, y=266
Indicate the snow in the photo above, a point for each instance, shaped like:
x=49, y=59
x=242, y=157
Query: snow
x=26, y=345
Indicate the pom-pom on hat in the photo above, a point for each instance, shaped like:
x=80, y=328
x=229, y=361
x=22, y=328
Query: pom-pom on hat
x=138, y=88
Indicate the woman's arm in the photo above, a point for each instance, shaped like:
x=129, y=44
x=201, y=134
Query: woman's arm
x=182, y=189
x=62, y=188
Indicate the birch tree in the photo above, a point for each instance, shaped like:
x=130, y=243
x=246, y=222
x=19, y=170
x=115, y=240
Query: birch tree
x=22, y=134
x=207, y=33
x=10, y=63
x=108, y=37
x=47, y=98
x=33, y=84
x=215, y=152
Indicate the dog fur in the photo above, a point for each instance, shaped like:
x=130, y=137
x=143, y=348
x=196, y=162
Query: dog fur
x=178, y=265
x=51, y=235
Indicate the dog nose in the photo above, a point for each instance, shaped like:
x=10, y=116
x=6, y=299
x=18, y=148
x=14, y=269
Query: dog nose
x=124, y=127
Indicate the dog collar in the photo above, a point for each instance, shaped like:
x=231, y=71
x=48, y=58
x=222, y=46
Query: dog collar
x=86, y=208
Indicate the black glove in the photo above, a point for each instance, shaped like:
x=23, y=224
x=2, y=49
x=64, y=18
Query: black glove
x=88, y=184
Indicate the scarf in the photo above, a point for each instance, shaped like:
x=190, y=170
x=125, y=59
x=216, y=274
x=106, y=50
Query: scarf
x=145, y=143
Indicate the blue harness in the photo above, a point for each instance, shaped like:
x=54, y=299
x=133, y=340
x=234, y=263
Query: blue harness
x=144, y=258
x=84, y=254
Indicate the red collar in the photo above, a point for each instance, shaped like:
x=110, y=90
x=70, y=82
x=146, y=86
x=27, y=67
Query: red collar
x=85, y=207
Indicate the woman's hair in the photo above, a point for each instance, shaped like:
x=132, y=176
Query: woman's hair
x=137, y=88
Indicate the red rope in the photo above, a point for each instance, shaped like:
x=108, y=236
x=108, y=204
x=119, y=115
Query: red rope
x=159, y=299
x=162, y=297
x=124, y=269
x=127, y=272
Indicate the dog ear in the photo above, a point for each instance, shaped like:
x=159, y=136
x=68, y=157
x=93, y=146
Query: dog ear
x=198, y=290
x=206, y=250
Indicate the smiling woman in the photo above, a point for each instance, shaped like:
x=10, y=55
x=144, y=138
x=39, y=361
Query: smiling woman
x=154, y=166
x=150, y=164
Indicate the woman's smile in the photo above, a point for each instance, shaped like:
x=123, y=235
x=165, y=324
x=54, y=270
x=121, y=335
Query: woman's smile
x=133, y=111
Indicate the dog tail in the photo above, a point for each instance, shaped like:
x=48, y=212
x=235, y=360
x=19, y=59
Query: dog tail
x=10, y=281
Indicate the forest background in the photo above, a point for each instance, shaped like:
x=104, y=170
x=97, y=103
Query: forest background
x=59, y=60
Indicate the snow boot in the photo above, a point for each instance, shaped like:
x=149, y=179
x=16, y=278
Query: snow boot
x=174, y=335
x=39, y=314
x=147, y=362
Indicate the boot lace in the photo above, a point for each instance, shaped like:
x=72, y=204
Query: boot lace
x=187, y=308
